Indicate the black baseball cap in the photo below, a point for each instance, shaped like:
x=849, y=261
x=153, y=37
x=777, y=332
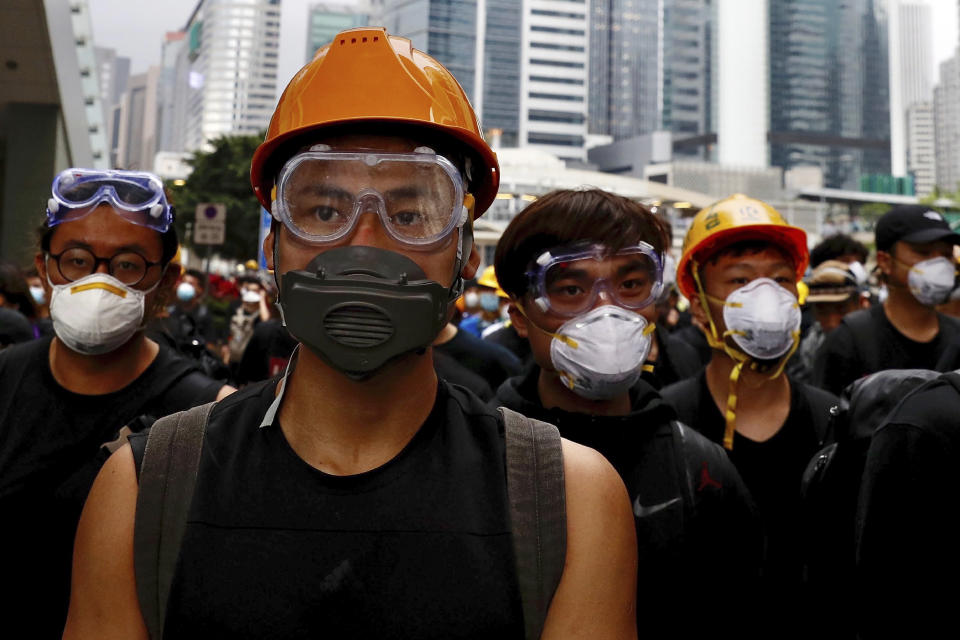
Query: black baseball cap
x=913, y=223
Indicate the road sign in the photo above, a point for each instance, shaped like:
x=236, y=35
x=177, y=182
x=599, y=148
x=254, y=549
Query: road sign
x=211, y=223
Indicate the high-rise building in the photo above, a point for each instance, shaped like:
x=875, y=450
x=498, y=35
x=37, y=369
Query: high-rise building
x=523, y=64
x=113, y=73
x=921, y=147
x=651, y=68
x=170, y=119
x=89, y=82
x=911, y=56
x=688, y=86
x=626, y=67
x=226, y=72
x=829, y=87
x=327, y=19
x=946, y=99
x=553, y=95
x=137, y=132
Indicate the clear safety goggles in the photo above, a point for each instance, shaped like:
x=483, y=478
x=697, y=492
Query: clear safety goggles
x=418, y=196
x=136, y=196
x=568, y=281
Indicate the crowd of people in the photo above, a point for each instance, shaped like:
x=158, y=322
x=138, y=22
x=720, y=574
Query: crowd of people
x=593, y=437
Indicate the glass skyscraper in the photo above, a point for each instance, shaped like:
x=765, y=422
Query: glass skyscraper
x=327, y=19
x=829, y=87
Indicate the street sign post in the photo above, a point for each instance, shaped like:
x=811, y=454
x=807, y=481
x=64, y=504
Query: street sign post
x=211, y=223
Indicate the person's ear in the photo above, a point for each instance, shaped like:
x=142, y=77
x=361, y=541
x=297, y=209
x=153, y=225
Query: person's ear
x=518, y=320
x=697, y=311
x=40, y=262
x=471, y=264
x=268, y=248
x=884, y=262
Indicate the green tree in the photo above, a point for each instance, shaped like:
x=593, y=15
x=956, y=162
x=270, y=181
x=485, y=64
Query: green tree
x=222, y=175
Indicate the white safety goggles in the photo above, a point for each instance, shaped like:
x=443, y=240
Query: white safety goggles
x=419, y=196
x=567, y=281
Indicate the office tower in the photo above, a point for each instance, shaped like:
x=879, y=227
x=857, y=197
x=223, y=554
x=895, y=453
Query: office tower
x=170, y=119
x=911, y=55
x=523, y=64
x=946, y=99
x=137, y=132
x=921, y=147
x=626, y=67
x=553, y=78
x=327, y=19
x=113, y=72
x=829, y=87
x=226, y=72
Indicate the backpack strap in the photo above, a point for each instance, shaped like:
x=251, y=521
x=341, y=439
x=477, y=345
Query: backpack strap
x=823, y=407
x=537, y=513
x=168, y=474
x=864, y=338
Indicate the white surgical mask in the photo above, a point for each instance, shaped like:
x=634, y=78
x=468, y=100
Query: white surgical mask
x=96, y=314
x=250, y=296
x=931, y=281
x=185, y=292
x=38, y=295
x=471, y=300
x=763, y=318
x=600, y=354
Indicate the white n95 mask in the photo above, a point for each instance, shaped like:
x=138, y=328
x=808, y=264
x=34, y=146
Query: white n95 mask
x=931, y=281
x=600, y=354
x=763, y=318
x=96, y=314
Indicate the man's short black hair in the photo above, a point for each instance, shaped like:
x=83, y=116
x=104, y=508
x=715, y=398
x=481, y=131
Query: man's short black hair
x=565, y=217
x=835, y=246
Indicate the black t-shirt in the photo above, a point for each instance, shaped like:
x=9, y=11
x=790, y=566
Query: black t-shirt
x=840, y=361
x=420, y=547
x=490, y=361
x=772, y=470
x=267, y=353
x=449, y=369
x=908, y=556
x=695, y=522
x=50, y=452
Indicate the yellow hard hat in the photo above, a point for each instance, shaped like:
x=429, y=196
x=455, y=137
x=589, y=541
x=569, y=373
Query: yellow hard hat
x=731, y=220
x=489, y=279
x=250, y=265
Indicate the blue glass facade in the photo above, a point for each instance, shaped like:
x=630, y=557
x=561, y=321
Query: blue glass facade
x=829, y=88
x=501, y=70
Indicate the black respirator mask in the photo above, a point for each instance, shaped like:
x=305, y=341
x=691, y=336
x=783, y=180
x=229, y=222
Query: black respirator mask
x=358, y=307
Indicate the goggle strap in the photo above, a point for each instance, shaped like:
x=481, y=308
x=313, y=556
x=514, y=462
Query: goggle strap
x=562, y=338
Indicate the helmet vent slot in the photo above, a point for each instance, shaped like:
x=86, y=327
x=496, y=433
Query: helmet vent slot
x=356, y=325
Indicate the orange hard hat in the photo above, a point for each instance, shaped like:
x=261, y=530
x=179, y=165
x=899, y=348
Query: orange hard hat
x=730, y=220
x=367, y=76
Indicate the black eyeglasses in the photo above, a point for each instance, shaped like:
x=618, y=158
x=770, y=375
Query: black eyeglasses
x=129, y=267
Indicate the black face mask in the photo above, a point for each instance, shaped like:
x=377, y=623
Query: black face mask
x=357, y=307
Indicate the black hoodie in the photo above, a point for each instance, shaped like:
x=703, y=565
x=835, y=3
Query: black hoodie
x=698, y=535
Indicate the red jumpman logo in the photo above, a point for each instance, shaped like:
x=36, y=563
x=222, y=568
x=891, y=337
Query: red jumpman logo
x=706, y=480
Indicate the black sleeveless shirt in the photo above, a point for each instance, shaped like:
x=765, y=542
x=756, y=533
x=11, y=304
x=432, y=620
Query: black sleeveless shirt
x=417, y=548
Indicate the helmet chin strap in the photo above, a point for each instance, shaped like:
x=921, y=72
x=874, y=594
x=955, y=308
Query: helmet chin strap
x=740, y=358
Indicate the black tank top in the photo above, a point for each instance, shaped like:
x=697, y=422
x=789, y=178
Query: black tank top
x=418, y=548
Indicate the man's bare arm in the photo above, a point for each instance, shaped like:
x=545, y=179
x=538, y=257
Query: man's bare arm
x=597, y=594
x=103, y=594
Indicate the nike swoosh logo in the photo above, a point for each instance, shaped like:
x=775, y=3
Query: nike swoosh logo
x=642, y=512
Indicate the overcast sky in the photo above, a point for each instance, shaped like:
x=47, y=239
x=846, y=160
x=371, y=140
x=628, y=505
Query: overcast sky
x=136, y=28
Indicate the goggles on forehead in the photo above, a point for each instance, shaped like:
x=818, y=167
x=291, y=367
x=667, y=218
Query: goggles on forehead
x=418, y=196
x=568, y=281
x=136, y=196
